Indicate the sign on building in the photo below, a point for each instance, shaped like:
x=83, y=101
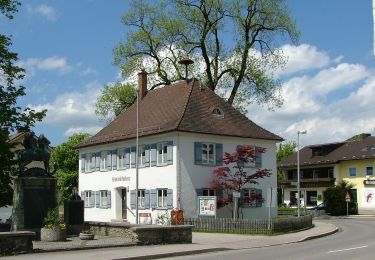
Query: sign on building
x=368, y=197
x=207, y=206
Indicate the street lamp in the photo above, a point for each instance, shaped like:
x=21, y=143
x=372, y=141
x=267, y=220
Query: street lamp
x=298, y=179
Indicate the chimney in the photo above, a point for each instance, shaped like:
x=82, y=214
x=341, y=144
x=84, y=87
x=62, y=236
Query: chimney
x=142, y=84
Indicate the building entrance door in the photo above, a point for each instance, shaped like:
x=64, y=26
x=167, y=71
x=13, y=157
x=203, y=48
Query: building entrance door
x=123, y=203
x=311, y=198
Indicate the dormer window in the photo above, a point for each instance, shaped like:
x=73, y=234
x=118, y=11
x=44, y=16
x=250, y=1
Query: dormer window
x=218, y=112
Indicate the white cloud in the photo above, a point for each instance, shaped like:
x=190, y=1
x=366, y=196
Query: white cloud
x=74, y=111
x=55, y=63
x=342, y=75
x=311, y=103
x=87, y=71
x=44, y=10
x=75, y=130
x=302, y=57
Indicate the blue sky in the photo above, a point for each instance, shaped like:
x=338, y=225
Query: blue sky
x=329, y=82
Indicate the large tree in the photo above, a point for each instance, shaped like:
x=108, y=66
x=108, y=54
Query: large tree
x=114, y=99
x=233, y=43
x=286, y=149
x=12, y=117
x=65, y=161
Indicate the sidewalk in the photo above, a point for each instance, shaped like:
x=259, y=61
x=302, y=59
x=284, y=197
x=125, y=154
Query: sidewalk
x=202, y=242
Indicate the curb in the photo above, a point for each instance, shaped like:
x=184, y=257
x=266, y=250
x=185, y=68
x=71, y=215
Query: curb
x=335, y=230
x=173, y=254
x=38, y=250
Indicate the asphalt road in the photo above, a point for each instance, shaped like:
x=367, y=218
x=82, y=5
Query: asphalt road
x=355, y=240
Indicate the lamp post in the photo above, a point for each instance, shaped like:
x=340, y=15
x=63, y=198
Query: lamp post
x=298, y=179
x=136, y=163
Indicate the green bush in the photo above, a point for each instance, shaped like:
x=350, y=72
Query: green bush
x=335, y=199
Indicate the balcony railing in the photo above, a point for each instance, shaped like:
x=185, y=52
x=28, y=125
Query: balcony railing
x=308, y=183
x=309, y=180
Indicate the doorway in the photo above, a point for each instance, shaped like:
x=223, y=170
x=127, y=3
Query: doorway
x=123, y=204
x=311, y=198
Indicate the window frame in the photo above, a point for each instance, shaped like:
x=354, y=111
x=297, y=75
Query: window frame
x=88, y=162
x=121, y=159
x=372, y=170
x=350, y=173
x=142, y=155
x=103, y=161
x=247, y=193
x=141, y=198
x=209, y=192
x=217, y=111
x=103, y=198
x=163, y=198
x=249, y=164
x=164, y=153
x=206, y=151
x=88, y=195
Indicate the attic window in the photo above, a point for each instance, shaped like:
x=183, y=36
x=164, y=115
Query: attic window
x=218, y=112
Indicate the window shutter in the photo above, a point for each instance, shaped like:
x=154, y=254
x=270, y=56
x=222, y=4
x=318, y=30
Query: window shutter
x=153, y=199
x=197, y=153
x=108, y=199
x=153, y=154
x=199, y=192
x=109, y=161
x=132, y=156
x=83, y=196
x=92, y=199
x=259, y=202
x=240, y=164
x=147, y=156
x=97, y=199
x=170, y=152
x=127, y=158
x=170, y=199
x=120, y=158
x=92, y=162
x=83, y=162
x=132, y=199
x=114, y=159
x=219, y=193
x=147, y=199
x=241, y=200
x=97, y=161
x=219, y=154
x=258, y=160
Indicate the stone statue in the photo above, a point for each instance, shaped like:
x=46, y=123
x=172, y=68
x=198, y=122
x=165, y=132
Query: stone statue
x=36, y=149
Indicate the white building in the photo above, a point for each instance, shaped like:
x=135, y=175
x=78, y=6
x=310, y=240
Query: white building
x=184, y=129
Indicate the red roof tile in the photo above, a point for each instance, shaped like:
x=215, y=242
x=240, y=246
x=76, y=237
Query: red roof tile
x=348, y=150
x=183, y=107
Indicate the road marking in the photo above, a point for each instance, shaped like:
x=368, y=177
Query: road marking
x=347, y=249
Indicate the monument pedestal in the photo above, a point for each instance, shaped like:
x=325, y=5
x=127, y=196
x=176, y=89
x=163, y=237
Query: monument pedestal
x=32, y=198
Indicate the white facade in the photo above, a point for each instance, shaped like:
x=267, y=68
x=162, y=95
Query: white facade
x=179, y=180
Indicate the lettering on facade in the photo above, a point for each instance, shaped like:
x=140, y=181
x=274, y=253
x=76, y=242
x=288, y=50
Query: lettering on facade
x=369, y=182
x=120, y=178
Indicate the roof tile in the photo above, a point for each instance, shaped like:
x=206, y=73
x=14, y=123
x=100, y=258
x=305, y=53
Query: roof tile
x=183, y=106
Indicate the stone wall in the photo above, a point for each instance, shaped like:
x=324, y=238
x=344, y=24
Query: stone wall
x=143, y=234
x=163, y=234
x=110, y=229
x=12, y=243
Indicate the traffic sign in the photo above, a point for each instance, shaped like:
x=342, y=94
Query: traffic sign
x=236, y=194
x=347, y=197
